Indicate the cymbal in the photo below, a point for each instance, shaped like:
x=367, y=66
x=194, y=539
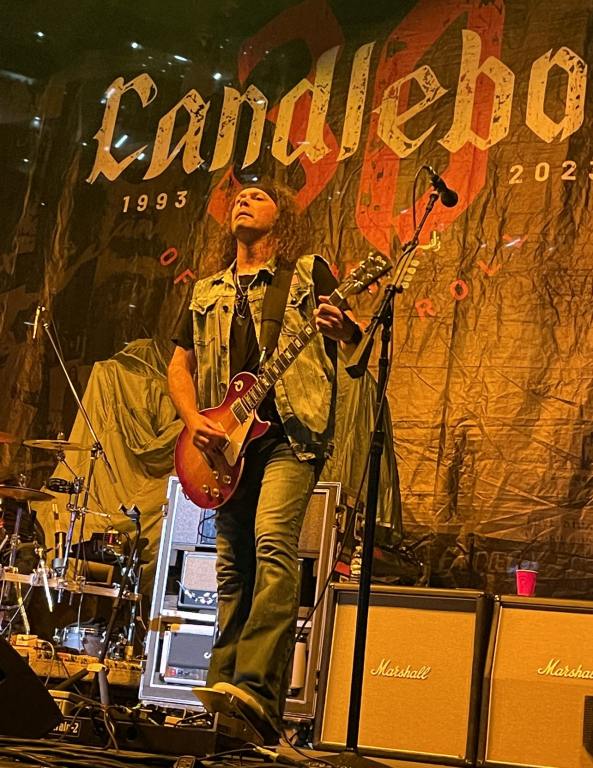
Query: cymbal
x=55, y=445
x=20, y=493
x=6, y=437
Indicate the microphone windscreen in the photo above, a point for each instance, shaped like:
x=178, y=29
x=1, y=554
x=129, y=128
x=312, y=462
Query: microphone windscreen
x=449, y=198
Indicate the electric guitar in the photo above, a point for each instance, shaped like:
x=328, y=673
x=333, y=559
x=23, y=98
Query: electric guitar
x=210, y=478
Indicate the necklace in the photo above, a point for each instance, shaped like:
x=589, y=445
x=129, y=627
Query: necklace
x=242, y=295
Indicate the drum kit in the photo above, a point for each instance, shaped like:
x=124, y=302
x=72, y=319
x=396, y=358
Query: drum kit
x=64, y=572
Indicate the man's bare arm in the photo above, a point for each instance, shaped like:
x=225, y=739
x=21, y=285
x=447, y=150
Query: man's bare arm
x=180, y=376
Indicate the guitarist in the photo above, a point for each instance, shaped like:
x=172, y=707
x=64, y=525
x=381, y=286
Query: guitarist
x=258, y=528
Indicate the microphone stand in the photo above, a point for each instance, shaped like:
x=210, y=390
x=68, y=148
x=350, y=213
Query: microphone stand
x=97, y=450
x=350, y=757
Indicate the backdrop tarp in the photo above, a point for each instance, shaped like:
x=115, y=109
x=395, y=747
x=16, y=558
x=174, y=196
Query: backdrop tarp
x=121, y=128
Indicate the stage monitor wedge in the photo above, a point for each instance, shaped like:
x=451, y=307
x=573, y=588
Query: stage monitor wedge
x=26, y=708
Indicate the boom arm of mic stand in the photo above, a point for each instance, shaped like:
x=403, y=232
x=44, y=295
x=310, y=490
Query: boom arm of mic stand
x=96, y=442
x=359, y=360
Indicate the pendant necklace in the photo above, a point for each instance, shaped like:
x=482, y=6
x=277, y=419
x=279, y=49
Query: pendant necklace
x=242, y=296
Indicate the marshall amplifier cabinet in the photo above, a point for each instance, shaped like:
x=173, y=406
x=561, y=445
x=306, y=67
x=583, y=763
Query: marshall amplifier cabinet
x=539, y=673
x=423, y=669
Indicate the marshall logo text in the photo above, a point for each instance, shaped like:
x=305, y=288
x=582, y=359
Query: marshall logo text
x=384, y=669
x=554, y=668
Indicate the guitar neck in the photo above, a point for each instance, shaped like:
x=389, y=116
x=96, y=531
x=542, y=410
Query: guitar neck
x=274, y=371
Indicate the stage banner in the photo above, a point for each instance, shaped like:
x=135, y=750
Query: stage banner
x=124, y=132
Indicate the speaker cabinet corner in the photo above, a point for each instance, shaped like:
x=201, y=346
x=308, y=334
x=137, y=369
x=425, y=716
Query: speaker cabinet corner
x=539, y=672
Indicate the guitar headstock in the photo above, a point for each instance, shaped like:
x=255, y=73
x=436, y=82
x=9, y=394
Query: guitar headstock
x=366, y=273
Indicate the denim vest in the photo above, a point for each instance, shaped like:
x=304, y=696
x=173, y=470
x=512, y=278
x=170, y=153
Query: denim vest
x=305, y=395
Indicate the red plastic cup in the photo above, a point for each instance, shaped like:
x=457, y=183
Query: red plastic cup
x=526, y=579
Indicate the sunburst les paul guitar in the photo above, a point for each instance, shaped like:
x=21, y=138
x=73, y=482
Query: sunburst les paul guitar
x=210, y=478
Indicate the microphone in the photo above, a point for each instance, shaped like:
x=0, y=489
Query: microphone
x=448, y=197
x=38, y=312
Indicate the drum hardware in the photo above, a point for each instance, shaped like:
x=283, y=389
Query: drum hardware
x=59, y=445
x=4, y=537
x=77, y=510
x=21, y=493
x=57, y=562
x=18, y=493
x=100, y=679
x=79, y=586
x=43, y=571
x=82, y=638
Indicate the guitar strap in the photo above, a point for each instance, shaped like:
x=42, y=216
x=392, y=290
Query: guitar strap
x=273, y=307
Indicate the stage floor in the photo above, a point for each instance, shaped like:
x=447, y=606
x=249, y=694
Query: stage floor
x=16, y=753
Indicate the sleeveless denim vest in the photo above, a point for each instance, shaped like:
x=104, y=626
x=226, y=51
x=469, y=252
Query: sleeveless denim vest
x=305, y=395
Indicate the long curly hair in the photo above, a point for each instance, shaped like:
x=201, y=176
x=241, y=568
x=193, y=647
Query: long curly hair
x=288, y=234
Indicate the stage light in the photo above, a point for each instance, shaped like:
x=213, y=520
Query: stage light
x=217, y=75
x=135, y=46
x=181, y=58
x=40, y=35
x=122, y=140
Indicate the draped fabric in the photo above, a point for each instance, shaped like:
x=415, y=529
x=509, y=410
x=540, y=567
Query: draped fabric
x=127, y=402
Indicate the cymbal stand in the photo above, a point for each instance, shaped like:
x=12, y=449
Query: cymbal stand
x=74, y=489
x=4, y=537
x=135, y=576
x=61, y=459
x=42, y=570
x=13, y=546
x=100, y=680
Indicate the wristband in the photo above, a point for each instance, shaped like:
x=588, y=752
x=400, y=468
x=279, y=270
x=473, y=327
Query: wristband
x=356, y=335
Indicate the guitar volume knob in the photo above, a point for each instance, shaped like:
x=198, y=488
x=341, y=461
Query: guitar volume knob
x=206, y=489
x=226, y=479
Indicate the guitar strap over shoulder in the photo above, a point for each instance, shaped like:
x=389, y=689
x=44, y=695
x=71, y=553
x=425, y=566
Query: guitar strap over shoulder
x=273, y=307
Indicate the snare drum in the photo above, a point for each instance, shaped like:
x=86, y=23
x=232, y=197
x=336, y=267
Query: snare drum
x=87, y=640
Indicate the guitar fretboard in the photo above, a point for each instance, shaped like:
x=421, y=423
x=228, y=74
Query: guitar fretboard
x=273, y=371
x=371, y=268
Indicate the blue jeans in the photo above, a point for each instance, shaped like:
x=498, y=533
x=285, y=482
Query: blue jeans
x=258, y=576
